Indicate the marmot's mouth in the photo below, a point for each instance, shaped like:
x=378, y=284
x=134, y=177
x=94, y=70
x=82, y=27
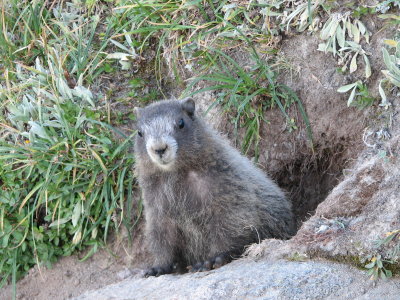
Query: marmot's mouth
x=166, y=165
x=163, y=163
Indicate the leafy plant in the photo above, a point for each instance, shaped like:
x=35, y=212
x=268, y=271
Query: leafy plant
x=83, y=53
x=392, y=73
x=125, y=58
x=302, y=14
x=359, y=95
x=378, y=266
x=287, y=14
x=392, y=63
x=335, y=32
x=384, y=6
x=65, y=178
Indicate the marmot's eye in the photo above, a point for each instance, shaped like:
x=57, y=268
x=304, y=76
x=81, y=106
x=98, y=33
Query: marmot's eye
x=181, y=123
x=140, y=133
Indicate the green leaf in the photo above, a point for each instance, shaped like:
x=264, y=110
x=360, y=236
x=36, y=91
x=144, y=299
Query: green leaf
x=391, y=43
x=322, y=47
x=379, y=263
x=390, y=16
x=388, y=273
x=340, y=35
x=383, y=96
x=370, y=265
x=125, y=65
x=77, y=237
x=76, y=214
x=370, y=271
x=361, y=27
x=38, y=130
x=5, y=240
x=353, y=63
x=84, y=94
x=352, y=95
x=63, y=88
x=349, y=29
x=38, y=186
x=92, y=251
x=345, y=88
x=386, y=58
x=356, y=33
x=367, y=37
x=59, y=222
x=98, y=158
x=367, y=66
x=123, y=145
x=383, y=275
x=326, y=29
x=335, y=24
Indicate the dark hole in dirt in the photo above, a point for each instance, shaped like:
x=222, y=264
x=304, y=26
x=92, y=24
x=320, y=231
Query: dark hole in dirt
x=309, y=178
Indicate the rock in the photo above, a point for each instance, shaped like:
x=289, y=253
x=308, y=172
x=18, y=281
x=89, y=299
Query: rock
x=358, y=212
x=247, y=279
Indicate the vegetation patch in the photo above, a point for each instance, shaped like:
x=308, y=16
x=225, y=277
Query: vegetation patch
x=385, y=265
x=66, y=175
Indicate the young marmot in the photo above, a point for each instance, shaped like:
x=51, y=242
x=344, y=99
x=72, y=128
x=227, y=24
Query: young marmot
x=203, y=201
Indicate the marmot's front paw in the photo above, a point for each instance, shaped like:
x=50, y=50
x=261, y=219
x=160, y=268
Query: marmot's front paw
x=161, y=270
x=157, y=271
x=212, y=263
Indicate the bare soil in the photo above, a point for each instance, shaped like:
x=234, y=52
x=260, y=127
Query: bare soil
x=70, y=277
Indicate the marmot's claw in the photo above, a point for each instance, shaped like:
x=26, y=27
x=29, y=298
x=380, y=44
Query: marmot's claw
x=150, y=272
x=212, y=263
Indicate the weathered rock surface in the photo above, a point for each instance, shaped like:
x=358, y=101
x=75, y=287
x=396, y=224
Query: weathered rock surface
x=247, y=279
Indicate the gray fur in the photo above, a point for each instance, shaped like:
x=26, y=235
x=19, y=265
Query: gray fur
x=205, y=198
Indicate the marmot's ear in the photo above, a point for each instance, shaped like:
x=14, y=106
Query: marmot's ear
x=137, y=111
x=188, y=106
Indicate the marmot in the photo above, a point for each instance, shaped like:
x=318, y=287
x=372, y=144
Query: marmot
x=203, y=201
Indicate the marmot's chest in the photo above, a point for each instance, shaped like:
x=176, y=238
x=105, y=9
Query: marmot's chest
x=188, y=195
x=198, y=184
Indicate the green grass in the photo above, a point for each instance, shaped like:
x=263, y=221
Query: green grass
x=22, y=24
x=247, y=94
x=65, y=173
x=66, y=179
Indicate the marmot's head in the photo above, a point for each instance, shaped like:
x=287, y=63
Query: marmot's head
x=165, y=132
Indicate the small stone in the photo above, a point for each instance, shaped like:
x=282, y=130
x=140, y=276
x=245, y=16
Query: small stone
x=125, y=273
x=68, y=273
x=322, y=228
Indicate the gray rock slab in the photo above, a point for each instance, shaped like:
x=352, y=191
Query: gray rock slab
x=246, y=279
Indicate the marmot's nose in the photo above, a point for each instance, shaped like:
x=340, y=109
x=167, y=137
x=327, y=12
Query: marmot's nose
x=160, y=151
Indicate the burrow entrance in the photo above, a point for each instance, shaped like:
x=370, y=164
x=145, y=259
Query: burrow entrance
x=308, y=179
